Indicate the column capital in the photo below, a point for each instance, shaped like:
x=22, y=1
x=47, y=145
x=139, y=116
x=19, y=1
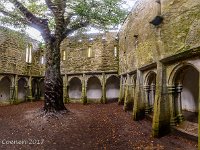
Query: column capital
x=146, y=88
x=171, y=89
x=179, y=88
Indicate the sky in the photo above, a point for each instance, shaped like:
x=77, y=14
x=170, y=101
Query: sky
x=33, y=33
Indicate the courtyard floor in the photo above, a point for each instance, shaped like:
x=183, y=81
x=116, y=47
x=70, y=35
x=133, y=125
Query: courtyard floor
x=85, y=127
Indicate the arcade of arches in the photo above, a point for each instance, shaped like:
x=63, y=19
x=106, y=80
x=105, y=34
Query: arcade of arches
x=154, y=74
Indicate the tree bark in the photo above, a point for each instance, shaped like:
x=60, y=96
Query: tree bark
x=53, y=84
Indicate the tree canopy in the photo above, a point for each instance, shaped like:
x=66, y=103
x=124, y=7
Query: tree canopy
x=65, y=15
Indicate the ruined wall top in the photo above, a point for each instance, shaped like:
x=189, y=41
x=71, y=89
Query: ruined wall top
x=90, y=53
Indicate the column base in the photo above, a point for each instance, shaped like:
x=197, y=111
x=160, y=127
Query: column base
x=128, y=106
x=120, y=101
x=30, y=98
x=180, y=118
x=84, y=100
x=66, y=100
x=173, y=121
x=103, y=100
x=147, y=110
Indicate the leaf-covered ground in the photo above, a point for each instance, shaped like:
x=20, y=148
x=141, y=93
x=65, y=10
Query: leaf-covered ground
x=85, y=127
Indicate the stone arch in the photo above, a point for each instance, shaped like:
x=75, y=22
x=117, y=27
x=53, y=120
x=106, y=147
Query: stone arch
x=185, y=81
x=94, y=88
x=75, y=88
x=112, y=88
x=149, y=87
x=176, y=70
x=150, y=77
x=5, y=84
x=22, y=89
x=93, y=76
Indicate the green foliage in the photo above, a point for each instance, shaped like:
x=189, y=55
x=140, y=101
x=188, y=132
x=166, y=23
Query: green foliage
x=99, y=13
x=104, y=13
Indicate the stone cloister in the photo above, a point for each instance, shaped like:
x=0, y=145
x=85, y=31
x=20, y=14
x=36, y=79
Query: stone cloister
x=151, y=66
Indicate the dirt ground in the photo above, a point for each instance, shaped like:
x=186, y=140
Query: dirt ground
x=85, y=127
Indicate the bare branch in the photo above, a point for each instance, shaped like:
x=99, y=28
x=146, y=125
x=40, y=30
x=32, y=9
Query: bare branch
x=38, y=23
x=75, y=27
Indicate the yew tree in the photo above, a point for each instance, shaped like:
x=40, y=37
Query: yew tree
x=57, y=19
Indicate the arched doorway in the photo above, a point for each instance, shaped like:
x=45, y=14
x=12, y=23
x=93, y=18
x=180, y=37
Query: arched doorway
x=75, y=89
x=35, y=89
x=41, y=89
x=5, y=84
x=150, y=91
x=186, y=94
x=133, y=86
x=94, y=90
x=112, y=88
x=22, y=88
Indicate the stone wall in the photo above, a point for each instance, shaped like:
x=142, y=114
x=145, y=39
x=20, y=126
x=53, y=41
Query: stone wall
x=137, y=40
x=102, y=54
x=141, y=43
x=13, y=54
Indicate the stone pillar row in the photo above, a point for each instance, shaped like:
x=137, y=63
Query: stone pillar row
x=126, y=93
x=165, y=99
x=28, y=90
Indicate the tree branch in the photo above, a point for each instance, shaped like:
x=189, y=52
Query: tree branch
x=75, y=27
x=38, y=23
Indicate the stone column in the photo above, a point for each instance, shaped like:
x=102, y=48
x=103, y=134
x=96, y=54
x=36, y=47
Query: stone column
x=139, y=102
x=29, y=89
x=180, y=117
x=171, y=92
x=84, y=94
x=103, y=99
x=120, y=100
x=65, y=92
x=12, y=90
x=133, y=92
x=152, y=89
x=127, y=97
x=147, y=102
x=161, y=115
x=16, y=89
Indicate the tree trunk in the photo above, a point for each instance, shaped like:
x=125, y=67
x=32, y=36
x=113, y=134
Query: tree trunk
x=53, y=83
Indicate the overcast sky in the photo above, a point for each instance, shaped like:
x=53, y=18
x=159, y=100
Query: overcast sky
x=33, y=33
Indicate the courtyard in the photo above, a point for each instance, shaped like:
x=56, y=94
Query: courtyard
x=84, y=127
